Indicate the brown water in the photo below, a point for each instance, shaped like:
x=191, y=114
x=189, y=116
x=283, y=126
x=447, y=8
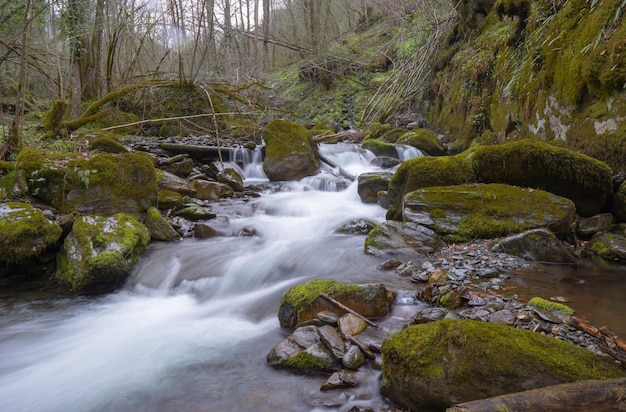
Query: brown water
x=596, y=292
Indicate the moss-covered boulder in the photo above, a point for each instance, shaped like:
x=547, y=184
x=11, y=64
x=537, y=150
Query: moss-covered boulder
x=619, y=203
x=290, y=153
x=402, y=240
x=102, y=141
x=380, y=148
x=166, y=199
x=464, y=212
x=422, y=172
x=100, y=252
x=610, y=247
x=538, y=245
x=424, y=140
x=159, y=227
x=102, y=184
x=531, y=163
x=369, y=184
x=25, y=232
x=436, y=365
x=303, y=302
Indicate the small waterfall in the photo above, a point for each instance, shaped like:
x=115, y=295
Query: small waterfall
x=248, y=162
x=406, y=152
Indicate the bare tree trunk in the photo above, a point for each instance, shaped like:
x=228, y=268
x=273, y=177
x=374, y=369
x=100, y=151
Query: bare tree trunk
x=93, y=57
x=266, y=33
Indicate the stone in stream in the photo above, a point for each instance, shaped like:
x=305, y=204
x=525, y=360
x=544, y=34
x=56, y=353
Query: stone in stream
x=290, y=153
x=159, y=227
x=305, y=351
x=369, y=184
x=611, y=247
x=353, y=358
x=587, y=227
x=402, y=241
x=332, y=340
x=538, y=244
x=351, y=325
x=339, y=380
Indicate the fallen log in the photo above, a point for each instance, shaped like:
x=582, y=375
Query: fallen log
x=198, y=152
x=609, y=342
x=589, y=395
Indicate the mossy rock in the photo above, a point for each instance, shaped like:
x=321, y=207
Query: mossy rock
x=610, y=247
x=536, y=245
x=369, y=184
x=465, y=212
x=26, y=232
x=102, y=184
x=380, y=148
x=102, y=141
x=550, y=306
x=303, y=302
x=423, y=172
x=159, y=227
x=100, y=252
x=424, y=140
x=230, y=177
x=402, y=240
x=290, y=153
x=438, y=364
x=531, y=163
x=166, y=199
x=619, y=203
x=391, y=136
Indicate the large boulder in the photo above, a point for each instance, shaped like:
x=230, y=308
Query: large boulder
x=422, y=172
x=619, y=203
x=290, y=153
x=402, y=240
x=464, y=212
x=303, y=302
x=436, y=365
x=26, y=232
x=102, y=184
x=380, y=148
x=424, y=140
x=100, y=252
x=530, y=163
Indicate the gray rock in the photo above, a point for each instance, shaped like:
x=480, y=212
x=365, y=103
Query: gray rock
x=332, y=340
x=195, y=212
x=402, y=240
x=350, y=325
x=173, y=183
x=537, y=245
x=429, y=315
x=587, y=227
x=206, y=190
x=339, y=380
x=204, y=231
x=159, y=227
x=369, y=184
x=303, y=350
x=356, y=227
x=354, y=358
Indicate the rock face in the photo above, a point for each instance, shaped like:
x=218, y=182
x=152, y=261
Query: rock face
x=531, y=163
x=439, y=364
x=423, y=172
x=538, y=245
x=100, y=252
x=25, y=232
x=290, y=153
x=101, y=184
x=372, y=183
x=402, y=240
x=461, y=213
x=303, y=302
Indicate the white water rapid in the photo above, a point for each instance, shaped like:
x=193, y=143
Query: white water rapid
x=191, y=329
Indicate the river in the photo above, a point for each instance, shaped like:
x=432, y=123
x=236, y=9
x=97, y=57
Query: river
x=191, y=329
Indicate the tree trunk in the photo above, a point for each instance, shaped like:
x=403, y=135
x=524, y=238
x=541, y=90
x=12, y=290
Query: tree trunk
x=582, y=396
x=93, y=57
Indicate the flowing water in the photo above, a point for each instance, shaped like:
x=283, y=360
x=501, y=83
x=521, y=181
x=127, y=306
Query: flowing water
x=191, y=329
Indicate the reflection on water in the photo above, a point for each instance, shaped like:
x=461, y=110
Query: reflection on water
x=596, y=292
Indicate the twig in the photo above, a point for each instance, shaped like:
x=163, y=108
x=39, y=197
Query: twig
x=347, y=309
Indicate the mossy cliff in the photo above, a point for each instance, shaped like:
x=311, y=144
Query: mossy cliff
x=438, y=364
x=97, y=184
x=552, y=69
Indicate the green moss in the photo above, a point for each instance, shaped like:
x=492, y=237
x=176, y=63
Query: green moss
x=531, y=163
x=304, y=361
x=380, y=148
x=166, y=199
x=423, y=139
x=26, y=232
x=609, y=246
x=544, y=304
x=422, y=172
x=420, y=351
x=299, y=296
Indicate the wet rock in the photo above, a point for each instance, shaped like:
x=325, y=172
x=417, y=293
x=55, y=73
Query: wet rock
x=380, y=148
x=339, y=380
x=173, y=183
x=618, y=206
x=609, y=246
x=159, y=227
x=181, y=167
x=206, y=190
x=195, y=212
x=328, y=317
x=204, y=231
x=350, y=325
x=538, y=245
x=356, y=227
x=402, y=240
x=385, y=162
x=166, y=199
x=424, y=140
x=503, y=317
x=332, y=340
x=587, y=227
x=303, y=350
x=429, y=315
x=100, y=252
x=289, y=152
x=417, y=379
x=26, y=232
x=369, y=184
x=461, y=213
x=390, y=264
x=303, y=302
x=354, y=358
x=231, y=178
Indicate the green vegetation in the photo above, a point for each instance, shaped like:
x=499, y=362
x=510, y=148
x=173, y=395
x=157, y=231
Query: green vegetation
x=306, y=362
x=299, y=296
x=544, y=304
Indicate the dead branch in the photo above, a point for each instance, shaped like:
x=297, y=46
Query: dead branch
x=347, y=309
x=608, y=341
